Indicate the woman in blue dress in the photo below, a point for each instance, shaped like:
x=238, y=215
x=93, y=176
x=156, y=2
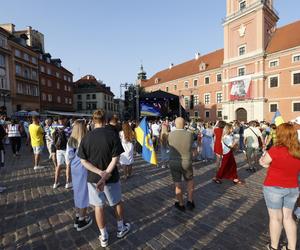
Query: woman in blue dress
x=79, y=176
x=207, y=153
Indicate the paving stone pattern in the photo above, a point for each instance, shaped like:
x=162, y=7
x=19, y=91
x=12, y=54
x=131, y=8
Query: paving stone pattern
x=227, y=216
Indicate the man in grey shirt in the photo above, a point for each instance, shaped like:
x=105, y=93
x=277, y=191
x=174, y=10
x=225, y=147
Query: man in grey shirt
x=180, y=142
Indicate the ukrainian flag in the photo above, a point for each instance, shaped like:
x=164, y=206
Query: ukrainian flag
x=144, y=138
x=277, y=119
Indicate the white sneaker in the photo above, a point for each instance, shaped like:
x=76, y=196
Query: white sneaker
x=2, y=189
x=56, y=185
x=103, y=241
x=68, y=185
x=38, y=167
x=124, y=231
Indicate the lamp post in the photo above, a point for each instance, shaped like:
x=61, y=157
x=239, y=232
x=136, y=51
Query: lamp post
x=137, y=99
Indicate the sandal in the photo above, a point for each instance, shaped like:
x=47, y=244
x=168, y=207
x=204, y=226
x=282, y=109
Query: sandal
x=217, y=181
x=269, y=247
x=239, y=182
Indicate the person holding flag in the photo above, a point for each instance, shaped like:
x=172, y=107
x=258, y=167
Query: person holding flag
x=277, y=119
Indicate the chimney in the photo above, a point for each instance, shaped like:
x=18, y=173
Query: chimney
x=171, y=66
x=197, y=55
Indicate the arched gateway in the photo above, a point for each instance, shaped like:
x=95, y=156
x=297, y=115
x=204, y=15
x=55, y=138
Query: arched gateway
x=241, y=114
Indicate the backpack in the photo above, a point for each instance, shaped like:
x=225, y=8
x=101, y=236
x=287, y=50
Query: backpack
x=60, y=139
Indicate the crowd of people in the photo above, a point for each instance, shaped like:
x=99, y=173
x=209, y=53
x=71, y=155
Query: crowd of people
x=93, y=150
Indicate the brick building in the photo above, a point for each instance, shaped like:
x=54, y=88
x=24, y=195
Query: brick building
x=91, y=94
x=256, y=73
x=56, y=85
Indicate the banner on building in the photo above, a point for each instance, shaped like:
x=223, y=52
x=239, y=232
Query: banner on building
x=240, y=88
x=150, y=109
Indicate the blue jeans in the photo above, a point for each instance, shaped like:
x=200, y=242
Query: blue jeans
x=277, y=197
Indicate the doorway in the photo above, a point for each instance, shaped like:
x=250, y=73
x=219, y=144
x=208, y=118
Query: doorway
x=241, y=114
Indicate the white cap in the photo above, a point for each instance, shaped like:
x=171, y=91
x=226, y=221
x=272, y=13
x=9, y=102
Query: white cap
x=297, y=120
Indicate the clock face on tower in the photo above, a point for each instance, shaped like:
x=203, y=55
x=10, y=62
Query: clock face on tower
x=242, y=30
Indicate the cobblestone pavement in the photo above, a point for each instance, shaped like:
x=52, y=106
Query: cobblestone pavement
x=34, y=216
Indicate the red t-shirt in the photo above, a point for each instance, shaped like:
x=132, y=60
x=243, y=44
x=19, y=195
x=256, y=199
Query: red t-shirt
x=284, y=169
x=218, y=148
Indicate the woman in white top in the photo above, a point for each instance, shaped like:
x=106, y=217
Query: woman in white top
x=14, y=131
x=126, y=158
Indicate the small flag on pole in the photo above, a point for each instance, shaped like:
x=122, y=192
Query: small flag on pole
x=144, y=138
x=277, y=119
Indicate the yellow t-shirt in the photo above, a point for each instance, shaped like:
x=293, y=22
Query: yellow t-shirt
x=36, y=135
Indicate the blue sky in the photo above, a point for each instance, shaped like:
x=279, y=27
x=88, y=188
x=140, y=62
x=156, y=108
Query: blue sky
x=110, y=38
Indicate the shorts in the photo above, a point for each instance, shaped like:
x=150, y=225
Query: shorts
x=38, y=150
x=61, y=157
x=277, y=197
x=251, y=151
x=179, y=171
x=112, y=194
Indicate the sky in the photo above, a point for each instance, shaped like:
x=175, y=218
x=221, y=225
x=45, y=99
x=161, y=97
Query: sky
x=111, y=38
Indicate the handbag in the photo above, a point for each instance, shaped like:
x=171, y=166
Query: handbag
x=260, y=143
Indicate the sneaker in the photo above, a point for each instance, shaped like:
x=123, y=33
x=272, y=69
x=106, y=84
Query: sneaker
x=124, y=231
x=76, y=221
x=56, y=185
x=84, y=224
x=297, y=212
x=38, y=167
x=2, y=189
x=190, y=205
x=103, y=241
x=180, y=208
x=68, y=185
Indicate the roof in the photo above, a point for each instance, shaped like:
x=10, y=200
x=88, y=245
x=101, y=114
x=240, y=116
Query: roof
x=212, y=60
x=89, y=84
x=284, y=38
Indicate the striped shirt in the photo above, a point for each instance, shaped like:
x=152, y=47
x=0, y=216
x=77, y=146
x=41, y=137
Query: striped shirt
x=13, y=130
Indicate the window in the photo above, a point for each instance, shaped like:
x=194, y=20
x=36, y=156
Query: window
x=296, y=78
x=94, y=105
x=19, y=88
x=27, y=73
x=65, y=77
x=43, y=81
x=273, y=107
x=49, y=83
x=296, y=106
x=94, y=96
x=242, y=5
x=42, y=69
x=57, y=85
x=186, y=84
x=58, y=99
x=206, y=80
x=2, y=61
x=49, y=98
x=273, y=81
x=34, y=60
x=167, y=89
x=175, y=87
x=219, y=97
x=186, y=102
x=196, y=114
x=35, y=91
x=66, y=87
x=70, y=100
x=79, y=97
x=79, y=105
x=57, y=74
x=49, y=71
x=219, y=114
x=69, y=79
x=17, y=53
x=219, y=77
x=206, y=98
x=195, y=83
x=242, y=50
x=26, y=57
x=27, y=90
x=34, y=74
x=196, y=100
x=69, y=88
x=2, y=42
x=44, y=97
x=273, y=64
x=88, y=97
x=18, y=69
x=66, y=100
x=241, y=71
x=207, y=114
x=296, y=58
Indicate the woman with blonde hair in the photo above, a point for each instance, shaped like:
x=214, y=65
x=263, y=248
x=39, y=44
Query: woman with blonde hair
x=126, y=158
x=228, y=169
x=281, y=187
x=164, y=146
x=79, y=176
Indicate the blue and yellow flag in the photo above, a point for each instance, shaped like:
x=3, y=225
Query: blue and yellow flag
x=143, y=137
x=277, y=119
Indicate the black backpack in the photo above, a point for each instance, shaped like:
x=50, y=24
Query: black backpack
x=60, y=139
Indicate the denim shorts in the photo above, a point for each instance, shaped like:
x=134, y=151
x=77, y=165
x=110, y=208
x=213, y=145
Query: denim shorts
x=38, y=150
x=111, y=194
x=277, y=197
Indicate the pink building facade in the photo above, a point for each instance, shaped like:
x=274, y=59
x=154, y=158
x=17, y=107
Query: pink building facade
x=256, y=73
